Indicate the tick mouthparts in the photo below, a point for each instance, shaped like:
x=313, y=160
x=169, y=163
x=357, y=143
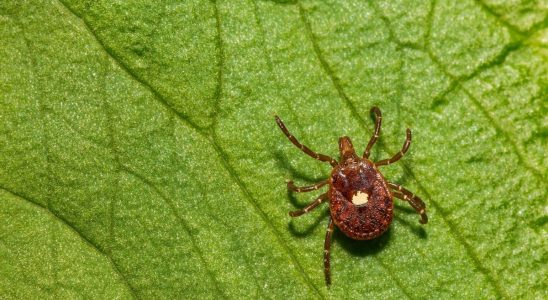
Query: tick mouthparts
x=346, y=148
x=358, y=181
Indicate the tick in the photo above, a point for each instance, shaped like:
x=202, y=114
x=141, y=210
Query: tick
x=360, y=199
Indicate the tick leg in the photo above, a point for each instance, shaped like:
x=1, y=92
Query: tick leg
x=326, y=256
x=309, y=207
x=374, y=137
x=309, y=188
x=305, y=149
x=416, y=202
x=398, y=155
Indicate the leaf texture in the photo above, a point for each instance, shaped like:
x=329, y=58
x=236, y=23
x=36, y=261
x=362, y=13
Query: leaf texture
x=139, y=157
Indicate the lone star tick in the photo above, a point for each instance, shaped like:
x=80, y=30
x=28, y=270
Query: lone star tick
x=360, y=199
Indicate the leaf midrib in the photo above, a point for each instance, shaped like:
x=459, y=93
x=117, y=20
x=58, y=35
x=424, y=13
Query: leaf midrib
x=208, y=135
x=211, y=138
x=75, y=231
x=490, y=276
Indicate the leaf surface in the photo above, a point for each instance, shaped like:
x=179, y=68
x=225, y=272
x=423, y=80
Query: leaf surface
x=140, y=159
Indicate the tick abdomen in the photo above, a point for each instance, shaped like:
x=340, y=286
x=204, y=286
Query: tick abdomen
x=360, y=201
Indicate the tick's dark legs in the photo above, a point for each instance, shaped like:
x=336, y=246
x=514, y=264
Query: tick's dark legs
x=305, y=149
x=327, y=247
x=416, y=202
x=309, y=207
x=309, y=188
x=399, y=155
x=374, y=137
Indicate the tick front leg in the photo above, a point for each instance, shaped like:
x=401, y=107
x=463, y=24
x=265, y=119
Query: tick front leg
x=305, y=149
x=309, y=188
x=375, y=136
x=309, y=207
x=416, y=202
x=400, y=154
x=326, y=256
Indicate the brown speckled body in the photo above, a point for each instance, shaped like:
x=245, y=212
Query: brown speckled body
x=360, y=199
x=365, y=221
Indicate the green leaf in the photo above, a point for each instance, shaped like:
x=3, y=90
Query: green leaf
x=139, y=157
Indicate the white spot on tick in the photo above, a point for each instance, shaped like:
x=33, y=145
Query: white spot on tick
x=360, y=198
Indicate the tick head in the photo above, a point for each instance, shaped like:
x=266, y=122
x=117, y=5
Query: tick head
x=346, y=149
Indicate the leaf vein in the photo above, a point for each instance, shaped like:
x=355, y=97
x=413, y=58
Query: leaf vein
x=457, y=81
x=498, y=17
x=470, y=252
x=119, y=62
x=41, y=108
x=206, y=135
x=261, y=213
x=331, y=74
x=220, y=68
x=114, y=150
x=325, y=66
x=182, y=221
x=72, y=228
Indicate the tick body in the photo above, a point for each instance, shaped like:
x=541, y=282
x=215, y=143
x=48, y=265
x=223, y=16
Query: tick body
x=360, y=198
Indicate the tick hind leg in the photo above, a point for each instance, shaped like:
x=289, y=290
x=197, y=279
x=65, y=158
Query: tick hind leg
x=305, y=149
x=400, y=154
x=309, y=188
x=375, y=136
x=309, y=207
x=415, y=202
x=327, y=248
